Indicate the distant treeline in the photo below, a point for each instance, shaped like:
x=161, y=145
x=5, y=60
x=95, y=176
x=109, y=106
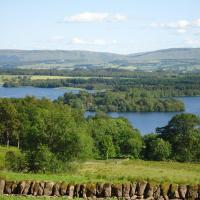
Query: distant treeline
x=160, y=84
x=98, y=72
x=91, y=72
x=134, y=100
x=50, y=135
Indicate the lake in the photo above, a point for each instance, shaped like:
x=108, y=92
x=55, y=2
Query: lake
x=145, y=122
x=51, y=93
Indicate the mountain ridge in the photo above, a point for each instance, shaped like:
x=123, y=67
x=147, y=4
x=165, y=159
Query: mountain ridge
x=164, y=58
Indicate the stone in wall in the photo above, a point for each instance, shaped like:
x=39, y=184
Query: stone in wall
x=126, y=188
x=63, y=188
x=99, y=190
x=41, y=188
x=91, y=190
x=127, y=191
x=157, y=192
x=26, y=188
x=83, y=191
x=182, y=189
x=48, y=188
x=70, y=191
x=149, y=191
x=107, y=190
x=2, y=186
x=192, y=192
x=56, y=189
x=173, y=192
x=8, y=187
x=77, y=190
x=116, y=190
x=140, y=189
x=133, y=190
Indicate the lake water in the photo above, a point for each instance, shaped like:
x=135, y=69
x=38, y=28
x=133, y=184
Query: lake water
x=145, y=122
x=51, y=93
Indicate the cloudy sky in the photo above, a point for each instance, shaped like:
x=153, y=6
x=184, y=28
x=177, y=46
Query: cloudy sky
x=120, y=26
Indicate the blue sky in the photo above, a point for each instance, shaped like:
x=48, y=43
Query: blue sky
x=120, y=26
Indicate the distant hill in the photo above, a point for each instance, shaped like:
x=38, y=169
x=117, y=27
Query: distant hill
x=179, y=58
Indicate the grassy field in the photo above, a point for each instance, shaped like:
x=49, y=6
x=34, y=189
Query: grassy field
x=114, y=171
x=4, y=78
x=120, y=171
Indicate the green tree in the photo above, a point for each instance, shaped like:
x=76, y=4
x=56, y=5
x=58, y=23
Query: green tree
x=183, y=133
x=125, y=140
x=9, y=122
x=156, y=148
x=107, y=147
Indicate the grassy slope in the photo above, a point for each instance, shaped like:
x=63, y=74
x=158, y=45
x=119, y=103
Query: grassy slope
x=112, y=171
x=4, y=78
x=120, y=171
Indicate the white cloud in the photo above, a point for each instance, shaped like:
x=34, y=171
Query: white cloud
x=193, y=42
x=180, y=26
x=181, y=31
x=99, y=42
x=95, y=17
x=95, y=42
x=77, y=40
x=197, y=22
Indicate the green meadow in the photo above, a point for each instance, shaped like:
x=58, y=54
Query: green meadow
x=121, y=170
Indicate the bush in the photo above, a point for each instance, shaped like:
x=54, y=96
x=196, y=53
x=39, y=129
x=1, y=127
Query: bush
x=161, y=150
x=156, y=148
x=15, y=161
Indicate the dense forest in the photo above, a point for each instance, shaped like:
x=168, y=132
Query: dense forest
x=51, y=134
x=162, y=84
x=134, y=100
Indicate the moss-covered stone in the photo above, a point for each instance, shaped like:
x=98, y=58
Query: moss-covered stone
x=116, y=190
x=8, y=187
x=82, y=192
x=149, y=191
x=91, y=190
x=70, y=190
x=48, y=188
x=126, y=187
x=133, y=186
x=192, y=192
x=77, y=190
x=99, y=190
x=2, y=186
x=56, y=189
x=173, y=192
x=107, y=190
x=63, y=188
x=141, y=188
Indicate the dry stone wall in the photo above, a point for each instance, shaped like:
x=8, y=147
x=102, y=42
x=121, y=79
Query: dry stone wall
x=135, y=190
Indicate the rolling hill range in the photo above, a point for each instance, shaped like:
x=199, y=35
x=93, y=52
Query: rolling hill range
x=176, y=59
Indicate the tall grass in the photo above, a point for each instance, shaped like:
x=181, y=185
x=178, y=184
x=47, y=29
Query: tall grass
x=119, y=171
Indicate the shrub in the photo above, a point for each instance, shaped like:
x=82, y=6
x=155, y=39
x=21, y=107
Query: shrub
x=15, y=161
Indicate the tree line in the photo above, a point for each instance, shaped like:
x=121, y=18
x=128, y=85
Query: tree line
x=134, y=100
x=161, y=84
x=51, y=134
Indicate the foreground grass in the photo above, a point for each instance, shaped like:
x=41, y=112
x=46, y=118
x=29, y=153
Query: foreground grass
x=112, y=171
x=119, y=171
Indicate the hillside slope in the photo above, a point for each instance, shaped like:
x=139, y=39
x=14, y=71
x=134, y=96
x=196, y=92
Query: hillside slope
x=179, y=58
